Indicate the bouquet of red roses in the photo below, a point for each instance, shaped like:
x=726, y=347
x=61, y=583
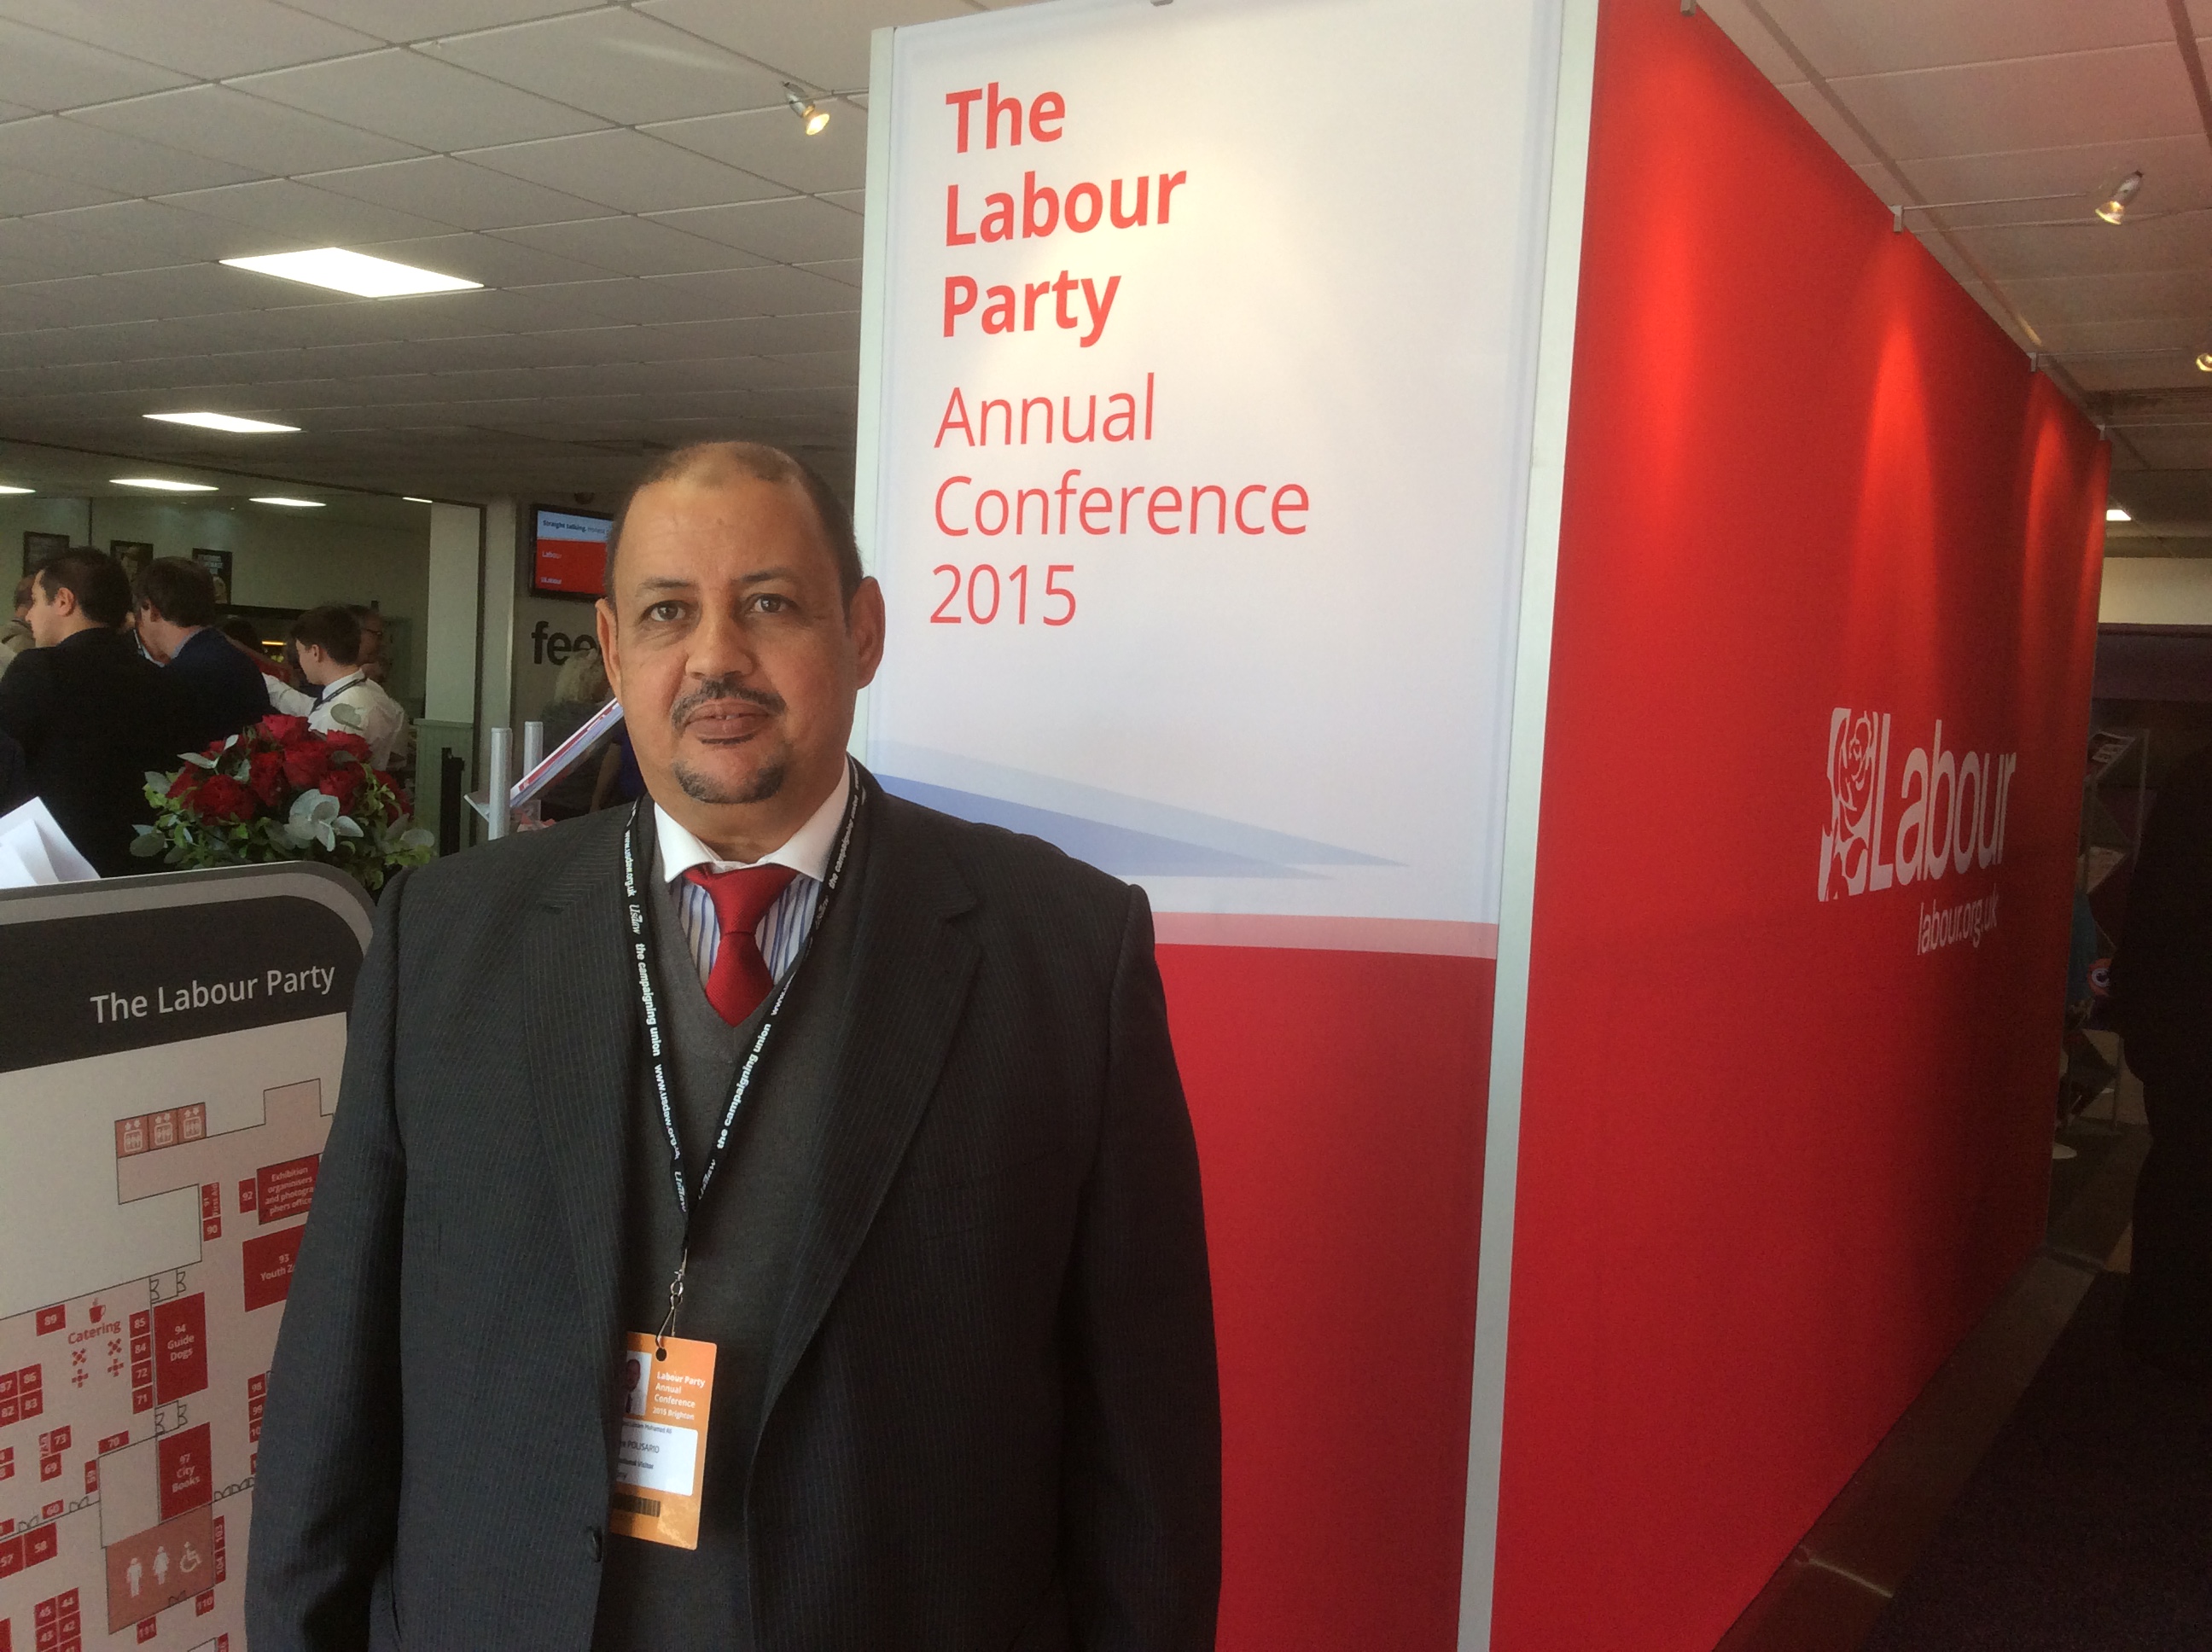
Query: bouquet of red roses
x=283, y=792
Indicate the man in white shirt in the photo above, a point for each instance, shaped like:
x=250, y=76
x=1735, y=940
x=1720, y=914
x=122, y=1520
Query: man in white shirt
x=327, y=641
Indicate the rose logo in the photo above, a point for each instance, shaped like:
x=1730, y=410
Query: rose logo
x=1854, y=760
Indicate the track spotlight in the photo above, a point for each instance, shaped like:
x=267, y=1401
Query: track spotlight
x=2115, y=206
x=812, y=116
x=2204, y=362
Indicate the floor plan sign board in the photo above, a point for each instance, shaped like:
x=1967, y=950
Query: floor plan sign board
x=170, y=1050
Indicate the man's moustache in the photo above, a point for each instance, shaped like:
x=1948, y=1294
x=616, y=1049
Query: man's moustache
x=682, y=712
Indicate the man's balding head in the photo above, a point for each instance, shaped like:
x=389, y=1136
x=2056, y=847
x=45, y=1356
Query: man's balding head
x=736, y=630
x=704, y=463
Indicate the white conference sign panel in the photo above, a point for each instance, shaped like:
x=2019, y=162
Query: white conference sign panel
x=170, y=1051
x=1201, y=358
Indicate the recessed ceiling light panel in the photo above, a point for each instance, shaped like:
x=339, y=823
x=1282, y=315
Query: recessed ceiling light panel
x=6, y=489
x=296, y=504
x=229, y=422
x=160, y=485
x=353, y=272
x=2115, y=513
x=413, y=499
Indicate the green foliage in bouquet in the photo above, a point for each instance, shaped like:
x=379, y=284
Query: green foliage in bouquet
x=283, y=792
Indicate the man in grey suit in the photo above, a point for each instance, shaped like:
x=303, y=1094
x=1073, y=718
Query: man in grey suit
x=859, y=1125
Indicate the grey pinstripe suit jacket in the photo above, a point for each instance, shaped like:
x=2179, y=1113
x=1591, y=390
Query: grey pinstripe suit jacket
x=993, y=1416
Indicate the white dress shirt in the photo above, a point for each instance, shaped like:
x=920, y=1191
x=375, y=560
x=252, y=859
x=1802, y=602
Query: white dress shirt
x=383, y=719
x=782, y=931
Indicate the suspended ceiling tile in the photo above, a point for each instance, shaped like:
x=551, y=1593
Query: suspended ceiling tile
x=810, y=369
x=823, y=43
x=845, y=272
x=2171, y=450
x=2113, y=372
x=2177, y=173
x=771, y=291
x=418, y=99
x=46, y=72
x=630, y=246
x=625, y=171
x=854, y=200
x=2087, y=247
x=617, y=65
x=2180, y=335
x=1820, y=114
x=484, y=259
x=773, y=143
x=61, y=346
x=2050, y=102
x=23, y=192
x=794, y=230
x=207, y=39
x=454, y=192
x=421, y=20
x=141, y=236
x=122, y=165
x=280, y=215
x=2093, y=298
x=247, y=131
x=1872, y=37
x=755, y=336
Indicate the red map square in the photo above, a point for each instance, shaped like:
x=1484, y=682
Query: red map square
x=268, y=1259
x=286, y=1189
x=186, y=1470
x=52, y=1318
x=180, y=1355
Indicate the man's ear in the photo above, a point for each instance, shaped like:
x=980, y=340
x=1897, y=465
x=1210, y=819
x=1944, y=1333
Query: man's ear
x=864, y=622
x=602, y=616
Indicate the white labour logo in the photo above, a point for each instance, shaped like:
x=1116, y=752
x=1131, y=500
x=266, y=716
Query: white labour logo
x=1949, y=811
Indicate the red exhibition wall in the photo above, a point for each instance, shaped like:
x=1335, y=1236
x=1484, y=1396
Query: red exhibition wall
x=1785, y=1119
x=1338, y=1099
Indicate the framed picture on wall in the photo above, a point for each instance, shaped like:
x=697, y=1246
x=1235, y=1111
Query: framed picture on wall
x=38, y=547
x=218, y=563
x=134, y=554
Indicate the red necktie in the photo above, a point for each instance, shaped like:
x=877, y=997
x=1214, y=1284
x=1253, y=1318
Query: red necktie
x=739, y=979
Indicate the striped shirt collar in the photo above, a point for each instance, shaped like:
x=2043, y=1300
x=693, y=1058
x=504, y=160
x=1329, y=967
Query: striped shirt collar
x=807, y=852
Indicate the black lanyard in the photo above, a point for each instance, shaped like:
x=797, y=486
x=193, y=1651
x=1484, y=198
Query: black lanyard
x=656, y=1048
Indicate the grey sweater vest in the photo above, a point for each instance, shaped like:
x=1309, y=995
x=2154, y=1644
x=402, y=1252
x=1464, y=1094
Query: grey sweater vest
x=743, y=1237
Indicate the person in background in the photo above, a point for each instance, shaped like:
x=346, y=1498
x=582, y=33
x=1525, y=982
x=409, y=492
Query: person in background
x=16, y=634
x=15, y=776
x=176, y=627
x=580, y=690
x=327, y=642
x=2162, y=990
x=245, y=635
x=375, y=665
x=91, y=715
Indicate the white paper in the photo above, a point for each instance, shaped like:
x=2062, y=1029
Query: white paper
x=657, y=1457
x=37, y=851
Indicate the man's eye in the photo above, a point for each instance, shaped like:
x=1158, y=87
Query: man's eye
x=666, y=613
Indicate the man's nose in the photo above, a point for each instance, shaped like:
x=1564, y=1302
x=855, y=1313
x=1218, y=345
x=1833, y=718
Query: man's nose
x=721, y=647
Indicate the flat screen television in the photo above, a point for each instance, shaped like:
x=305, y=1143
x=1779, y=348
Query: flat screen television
x=568, y=557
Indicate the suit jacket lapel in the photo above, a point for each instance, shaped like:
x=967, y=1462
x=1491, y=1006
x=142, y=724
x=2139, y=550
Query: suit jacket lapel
x=910, y=969
x=579, y=1037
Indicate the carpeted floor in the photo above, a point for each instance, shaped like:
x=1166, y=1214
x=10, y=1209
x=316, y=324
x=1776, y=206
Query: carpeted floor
x=2088, y=1525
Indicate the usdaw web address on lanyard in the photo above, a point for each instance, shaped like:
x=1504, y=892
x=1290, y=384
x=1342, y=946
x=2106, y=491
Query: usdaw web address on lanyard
x=668, y=1381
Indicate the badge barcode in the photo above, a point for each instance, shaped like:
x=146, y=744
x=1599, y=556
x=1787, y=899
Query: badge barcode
x=649, y=1507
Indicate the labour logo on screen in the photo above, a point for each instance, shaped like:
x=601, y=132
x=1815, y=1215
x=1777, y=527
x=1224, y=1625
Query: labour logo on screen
x=1946, y=818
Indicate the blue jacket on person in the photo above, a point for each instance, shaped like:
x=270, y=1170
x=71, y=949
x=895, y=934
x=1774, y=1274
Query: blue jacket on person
x=224, y=690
